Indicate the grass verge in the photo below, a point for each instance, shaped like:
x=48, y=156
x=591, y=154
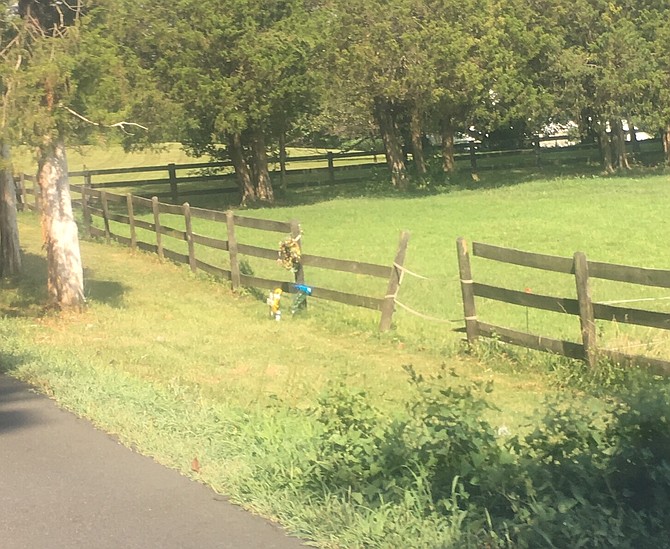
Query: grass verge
x=178, y=366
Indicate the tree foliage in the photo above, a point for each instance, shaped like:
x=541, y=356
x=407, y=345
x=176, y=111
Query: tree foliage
x=238, y=82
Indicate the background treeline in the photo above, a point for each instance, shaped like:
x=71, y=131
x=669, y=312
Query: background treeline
x=257, y=75
x=242, y=79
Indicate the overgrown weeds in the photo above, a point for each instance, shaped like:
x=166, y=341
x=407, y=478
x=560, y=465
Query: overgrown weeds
x=575, y=480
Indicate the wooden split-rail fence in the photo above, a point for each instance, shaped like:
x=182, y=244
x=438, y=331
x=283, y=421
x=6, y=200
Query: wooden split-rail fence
x=174, y=181
x=96, y=204
x=583, y=306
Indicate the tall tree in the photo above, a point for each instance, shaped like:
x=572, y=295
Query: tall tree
x=240, y=75
x=452, y=34
x=75, y=79
x=368, y=67
x=662, y=47
x=652, y=19
x=10, y=250
x=46, y=89
x=10, y=62
x=603, y=71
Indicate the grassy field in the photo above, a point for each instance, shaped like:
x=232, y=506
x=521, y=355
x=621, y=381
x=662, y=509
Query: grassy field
x=178, y=366
x=616, y=220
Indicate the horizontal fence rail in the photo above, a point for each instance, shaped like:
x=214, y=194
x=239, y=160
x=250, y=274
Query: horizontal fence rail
x=582, y=306
x=95, y=203
x=328, y=165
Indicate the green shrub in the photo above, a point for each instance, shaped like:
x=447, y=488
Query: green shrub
x=376, y=459
x=359, y=452
x=575, y=480
x=638, y=468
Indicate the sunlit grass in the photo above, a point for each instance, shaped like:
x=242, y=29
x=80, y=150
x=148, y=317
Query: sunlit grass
x=616, y=220
x=157, y=321
x=178, y=366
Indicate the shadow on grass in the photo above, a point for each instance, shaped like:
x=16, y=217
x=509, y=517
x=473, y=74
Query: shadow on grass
x=108, y=292
x=26, y=295
x=376, y=183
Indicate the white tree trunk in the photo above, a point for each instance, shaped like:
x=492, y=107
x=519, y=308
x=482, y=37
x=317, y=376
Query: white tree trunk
x=9, y=229
x=65, y=273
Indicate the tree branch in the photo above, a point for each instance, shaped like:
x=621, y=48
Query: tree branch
x=120, y=125
x=9, y=46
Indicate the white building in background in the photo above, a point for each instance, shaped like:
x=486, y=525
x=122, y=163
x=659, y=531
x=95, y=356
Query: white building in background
x=568, y=134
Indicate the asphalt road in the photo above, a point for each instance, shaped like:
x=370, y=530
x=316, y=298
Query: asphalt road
x=65, y=484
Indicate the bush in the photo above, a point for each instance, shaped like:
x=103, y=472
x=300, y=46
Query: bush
x=576, y=480
x=374, y=458
x=638, y=469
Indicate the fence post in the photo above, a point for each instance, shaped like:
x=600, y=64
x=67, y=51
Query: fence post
x=131, y=221
x=37, y=191
x=331, y=166
x=296, y=235
x=172, y=174
x=232, y=251
x=388, y=305
x=189, y=236
x=22, y=191
x=586, y=318
x=538, y=150
x=105, y=214
x=155, y=206
x=282, y=159
x=86, y=213
x=467, y=290
x=299, y=275
x=473, y=157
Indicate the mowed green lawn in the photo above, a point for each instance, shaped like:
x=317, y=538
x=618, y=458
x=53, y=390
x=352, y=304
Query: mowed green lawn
x=179, y=366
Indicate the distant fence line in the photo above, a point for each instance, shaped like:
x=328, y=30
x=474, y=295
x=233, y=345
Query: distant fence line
x=96, y=203
x=334, y=168
x=223, y=183
x=583, y=307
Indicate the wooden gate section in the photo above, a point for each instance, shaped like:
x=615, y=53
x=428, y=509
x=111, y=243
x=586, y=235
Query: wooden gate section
x=582, y=307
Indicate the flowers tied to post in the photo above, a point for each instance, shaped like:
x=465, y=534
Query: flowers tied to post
x=289, y=253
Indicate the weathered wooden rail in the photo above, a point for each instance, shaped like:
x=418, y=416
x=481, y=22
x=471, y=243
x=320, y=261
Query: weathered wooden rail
x=95, y=203
x=331, y=167
x=583, y=306
x=28, y=195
